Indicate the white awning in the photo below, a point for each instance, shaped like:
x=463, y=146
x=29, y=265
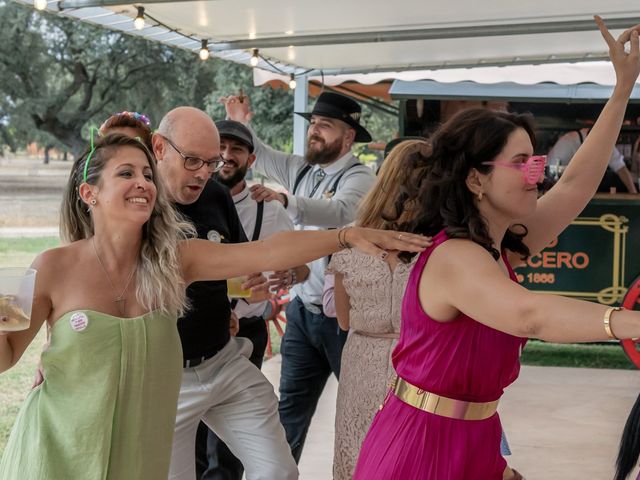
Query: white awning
x=337, y=36
x=599, y=72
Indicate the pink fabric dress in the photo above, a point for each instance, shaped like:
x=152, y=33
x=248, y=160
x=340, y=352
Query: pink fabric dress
x=462, y=359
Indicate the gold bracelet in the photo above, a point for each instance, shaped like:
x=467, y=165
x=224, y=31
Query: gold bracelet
x=607, y=322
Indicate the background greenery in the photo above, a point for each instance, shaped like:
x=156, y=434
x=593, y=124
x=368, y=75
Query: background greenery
x=58, y=76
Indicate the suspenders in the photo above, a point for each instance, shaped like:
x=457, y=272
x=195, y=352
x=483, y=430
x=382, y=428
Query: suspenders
x=304, y=170
x=258, y=226
x=256, y=234
x=299, y=178
x=334, y=187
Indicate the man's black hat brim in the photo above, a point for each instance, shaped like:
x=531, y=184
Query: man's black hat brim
x=325, y=110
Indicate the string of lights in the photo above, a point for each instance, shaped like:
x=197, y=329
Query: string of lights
x=256, y=57
x=140, y=23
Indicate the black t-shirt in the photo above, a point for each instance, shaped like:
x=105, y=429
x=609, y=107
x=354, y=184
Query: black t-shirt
x=204, y=330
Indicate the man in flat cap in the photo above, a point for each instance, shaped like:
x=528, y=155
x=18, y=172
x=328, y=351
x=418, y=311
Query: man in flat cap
x=259, y=220
x=325, y=187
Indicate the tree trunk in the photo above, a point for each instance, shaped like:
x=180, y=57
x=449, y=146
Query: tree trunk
x=47, y=149
x=65, y=156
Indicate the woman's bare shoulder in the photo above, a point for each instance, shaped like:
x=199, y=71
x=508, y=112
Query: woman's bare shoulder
x=458, y=254
x=56, y=259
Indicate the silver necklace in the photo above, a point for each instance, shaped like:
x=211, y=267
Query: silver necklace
x=120, y=300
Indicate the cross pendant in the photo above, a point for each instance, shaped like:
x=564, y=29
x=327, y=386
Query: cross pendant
x=120, y=303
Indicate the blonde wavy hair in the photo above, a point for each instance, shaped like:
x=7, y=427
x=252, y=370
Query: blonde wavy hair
x=378, y=207
x=159, y=281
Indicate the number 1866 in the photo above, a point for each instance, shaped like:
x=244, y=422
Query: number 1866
x=541, y=278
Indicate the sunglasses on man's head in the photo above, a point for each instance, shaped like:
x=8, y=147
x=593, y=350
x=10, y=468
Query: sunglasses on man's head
x=532, y=169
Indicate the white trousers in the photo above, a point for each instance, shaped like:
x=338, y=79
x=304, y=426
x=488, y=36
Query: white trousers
x=238, y=403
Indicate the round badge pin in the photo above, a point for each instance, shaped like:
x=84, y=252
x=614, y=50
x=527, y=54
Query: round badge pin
x=214, y=236
x=79, y=321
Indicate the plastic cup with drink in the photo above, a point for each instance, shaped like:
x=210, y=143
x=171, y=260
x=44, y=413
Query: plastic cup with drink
x=16, y=298
x=234, y=287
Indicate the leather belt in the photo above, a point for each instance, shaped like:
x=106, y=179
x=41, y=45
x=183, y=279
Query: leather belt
x=194, y=362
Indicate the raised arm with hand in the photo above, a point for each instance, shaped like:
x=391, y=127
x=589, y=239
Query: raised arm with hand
x=269, y=162
x=204, y=260
x=558, y=207
x=237, y=108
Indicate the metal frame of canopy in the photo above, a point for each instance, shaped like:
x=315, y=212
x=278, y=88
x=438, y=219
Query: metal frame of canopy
x=354, y=37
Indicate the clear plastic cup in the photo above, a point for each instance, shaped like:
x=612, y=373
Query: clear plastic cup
x=234, y=287
x=16, y=298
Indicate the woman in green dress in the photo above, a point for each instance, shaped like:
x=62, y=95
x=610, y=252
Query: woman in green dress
x=111, y=296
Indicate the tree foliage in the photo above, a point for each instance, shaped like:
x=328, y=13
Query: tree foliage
x=273, y=120
x=58, y=75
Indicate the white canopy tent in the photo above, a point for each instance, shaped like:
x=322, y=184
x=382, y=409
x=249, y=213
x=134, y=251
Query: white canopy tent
x=337, y=37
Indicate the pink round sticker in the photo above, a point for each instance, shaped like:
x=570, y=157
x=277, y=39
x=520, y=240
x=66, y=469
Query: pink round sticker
x=79, y=321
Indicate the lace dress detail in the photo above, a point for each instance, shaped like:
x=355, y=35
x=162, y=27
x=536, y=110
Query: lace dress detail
x=375, y=294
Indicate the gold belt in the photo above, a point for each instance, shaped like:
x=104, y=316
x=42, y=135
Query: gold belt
x=443, y=406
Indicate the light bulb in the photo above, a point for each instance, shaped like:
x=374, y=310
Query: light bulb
x=139, y=22
x=254, y=58
x=204, y=51
x=40, y=4
x=292, y=81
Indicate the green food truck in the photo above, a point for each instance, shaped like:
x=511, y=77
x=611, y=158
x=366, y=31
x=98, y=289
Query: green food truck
x=595, y=257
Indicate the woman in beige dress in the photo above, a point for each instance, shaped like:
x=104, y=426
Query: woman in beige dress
x=368, y=296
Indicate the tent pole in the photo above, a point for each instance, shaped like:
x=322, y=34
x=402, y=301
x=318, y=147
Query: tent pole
x=300, y=98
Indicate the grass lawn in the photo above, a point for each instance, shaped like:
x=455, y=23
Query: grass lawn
x=15, y=384
x=20, y=252
x=576, y=355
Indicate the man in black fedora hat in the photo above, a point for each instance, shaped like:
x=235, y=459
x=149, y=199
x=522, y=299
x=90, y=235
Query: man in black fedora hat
x=324, y=188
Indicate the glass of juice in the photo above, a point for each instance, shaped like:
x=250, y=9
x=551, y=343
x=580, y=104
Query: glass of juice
x=234, y=287
x=16, y=298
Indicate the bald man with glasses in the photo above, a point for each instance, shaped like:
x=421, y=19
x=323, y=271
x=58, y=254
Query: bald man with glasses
x=220, y=386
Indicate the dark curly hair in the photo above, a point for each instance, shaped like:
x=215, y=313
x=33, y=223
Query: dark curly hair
x=438, y=180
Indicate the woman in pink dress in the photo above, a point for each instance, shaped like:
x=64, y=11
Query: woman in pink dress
x=465, y=319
